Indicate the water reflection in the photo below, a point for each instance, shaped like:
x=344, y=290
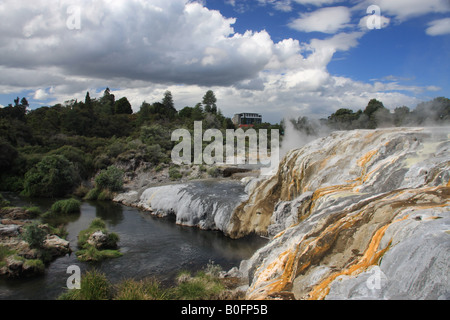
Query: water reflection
x=151, y=246
x=110, y=212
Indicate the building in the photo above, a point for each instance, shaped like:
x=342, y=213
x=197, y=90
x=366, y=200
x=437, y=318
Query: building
x=246, y=119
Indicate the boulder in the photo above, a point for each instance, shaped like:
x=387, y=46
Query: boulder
x=16, y=213
x=99, y=240
x=56, y=245
x=9, y=230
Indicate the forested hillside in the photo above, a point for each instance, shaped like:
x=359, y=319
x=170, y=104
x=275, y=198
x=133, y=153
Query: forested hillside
x=50, y=151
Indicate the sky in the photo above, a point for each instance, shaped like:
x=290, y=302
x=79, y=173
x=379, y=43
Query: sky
x=279, y=58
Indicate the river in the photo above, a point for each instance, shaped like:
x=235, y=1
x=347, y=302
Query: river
x=151, y=246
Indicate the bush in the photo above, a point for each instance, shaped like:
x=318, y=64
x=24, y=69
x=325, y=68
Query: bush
x=111, y=179
x=66, y=206
x=174, y=173
x=105, y=195
x=34, y=235
x=88, y=252
x=33, y=211
x=53, y=176
x=4, y=202
x=214, y=172
x=92, y=194
x=4, y=253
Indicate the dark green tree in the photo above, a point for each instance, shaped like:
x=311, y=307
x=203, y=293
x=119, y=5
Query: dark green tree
x=167, y=101
x=53, y=176
x=373, y=111
x=209, y=101
x=122, y=106
x=87, y=99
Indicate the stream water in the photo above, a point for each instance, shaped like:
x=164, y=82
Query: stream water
x=151, y=246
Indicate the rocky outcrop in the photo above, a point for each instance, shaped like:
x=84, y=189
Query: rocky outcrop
x=206, y=204
x=18, y=259
x=360, y=214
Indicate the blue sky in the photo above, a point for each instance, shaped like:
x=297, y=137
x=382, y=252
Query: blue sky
x=276, y=57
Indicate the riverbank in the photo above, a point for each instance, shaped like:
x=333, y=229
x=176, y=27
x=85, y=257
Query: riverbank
x=19, y=255
x=152, y=248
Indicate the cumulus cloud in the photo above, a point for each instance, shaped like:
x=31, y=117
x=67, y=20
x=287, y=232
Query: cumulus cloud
x=438, y=27
x=327, y=20
x=140, y=49
x=165, y=41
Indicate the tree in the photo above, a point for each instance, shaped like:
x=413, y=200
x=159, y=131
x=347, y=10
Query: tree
x=53, y=176
x=24, y=102
x=373, y=111
x=186, y=112
x=110, y=179
x=7, y=154
x=401, y=116
x=123, y=106
x=106, y=105
x=209, y=101
x=167, y=101
x=87, y=99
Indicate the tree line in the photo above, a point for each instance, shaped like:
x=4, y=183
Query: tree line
x=376, y=115
x=51, y=150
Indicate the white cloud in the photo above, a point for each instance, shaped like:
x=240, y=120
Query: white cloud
x=327, y=20
x=167, y=41
x=317, y=3
x=140, y=50
x=40, y=94
x=406, y=9
x=439, y=27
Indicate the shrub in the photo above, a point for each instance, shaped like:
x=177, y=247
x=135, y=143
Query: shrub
x=214, y=172
x=34, y=235
x=88, y=252
x=3, y=202
x=81, y=191
x=92, y=194
x=33, y=211
x=53, y=176
x=111, y=179
x=66, y=206
x=174, y=173
x=4, y=253
x=105, y=195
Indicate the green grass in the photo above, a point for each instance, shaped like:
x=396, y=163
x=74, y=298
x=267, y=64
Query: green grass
x=4, y=253
x=93, y=254
x=37, y=264
x=88, y=252
x=147, y=289
x=94, y=286
x=66, y=206
x=204, y=285
x=92, y=194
